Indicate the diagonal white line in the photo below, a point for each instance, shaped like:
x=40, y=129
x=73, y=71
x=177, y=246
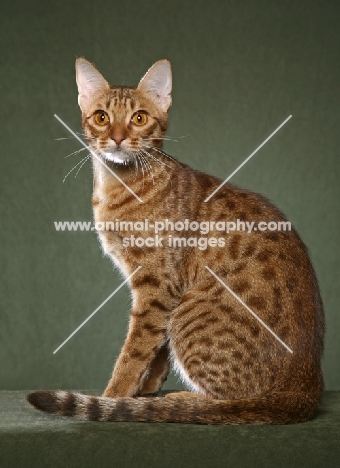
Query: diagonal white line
x=98, y=158
x=249, y=310
x=94, y=312
x=246, y=160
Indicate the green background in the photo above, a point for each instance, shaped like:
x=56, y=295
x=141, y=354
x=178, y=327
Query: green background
x=239, y=70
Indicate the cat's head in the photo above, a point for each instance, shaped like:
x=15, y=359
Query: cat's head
x=121, y=121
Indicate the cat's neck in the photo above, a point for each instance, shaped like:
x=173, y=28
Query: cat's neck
x=142, y=177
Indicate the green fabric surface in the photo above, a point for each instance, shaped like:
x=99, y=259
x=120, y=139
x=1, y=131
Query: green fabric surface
x=29, y=438
x=240, y=69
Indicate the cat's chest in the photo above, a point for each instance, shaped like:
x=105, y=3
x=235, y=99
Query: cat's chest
x=106, y=220
x=117, y=223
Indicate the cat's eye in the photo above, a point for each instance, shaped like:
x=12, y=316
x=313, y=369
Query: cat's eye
x=139, y=118
x=101, y=118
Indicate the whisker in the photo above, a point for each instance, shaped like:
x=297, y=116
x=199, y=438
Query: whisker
x=69, y=172
x=158, y=161
x=136, y=168
x=151, y=156
x=141, y=166
x=166, y=155
x=75, y=152
x=164, y=138
x=72, y=137
x=148, y=167
x=64, y=138
x=87, y=158
x=142, y=162
x=147, y=162
x=167, y=138
x=162, y=152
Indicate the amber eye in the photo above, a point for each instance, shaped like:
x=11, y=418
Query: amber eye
x=139, y=118
x=101, y=118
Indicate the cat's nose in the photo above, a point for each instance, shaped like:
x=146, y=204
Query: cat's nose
x=118, y=134
x=118, y=138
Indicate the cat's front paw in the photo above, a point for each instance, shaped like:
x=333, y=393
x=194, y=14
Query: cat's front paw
x=118, y=391
x=112, y=393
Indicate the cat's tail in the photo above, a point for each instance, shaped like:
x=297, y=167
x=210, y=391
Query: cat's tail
x=274, y=408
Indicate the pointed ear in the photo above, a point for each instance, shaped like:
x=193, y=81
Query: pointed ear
x=89, y=81
x=157, y=83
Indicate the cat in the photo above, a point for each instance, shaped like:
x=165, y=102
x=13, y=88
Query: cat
x=236, y=371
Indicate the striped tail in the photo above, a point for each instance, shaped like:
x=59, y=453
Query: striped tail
x=274, y=408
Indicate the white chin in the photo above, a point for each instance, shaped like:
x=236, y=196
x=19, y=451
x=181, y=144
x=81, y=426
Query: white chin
x=117, y=157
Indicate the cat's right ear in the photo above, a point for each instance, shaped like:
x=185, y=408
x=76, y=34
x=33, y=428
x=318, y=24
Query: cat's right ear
x=89, y=81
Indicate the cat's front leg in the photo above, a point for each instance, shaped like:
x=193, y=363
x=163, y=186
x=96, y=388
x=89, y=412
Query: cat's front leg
x=146, y=336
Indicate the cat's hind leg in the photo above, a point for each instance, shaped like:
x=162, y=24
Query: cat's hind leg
x=156, y=374
x=218, y=348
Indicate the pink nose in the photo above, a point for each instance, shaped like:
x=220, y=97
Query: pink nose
x=118, y=138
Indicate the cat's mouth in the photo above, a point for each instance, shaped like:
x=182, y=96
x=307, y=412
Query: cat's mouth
x=118, y=156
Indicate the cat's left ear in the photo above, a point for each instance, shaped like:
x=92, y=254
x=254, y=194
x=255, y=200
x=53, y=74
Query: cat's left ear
x=157, y=83
x=89, y=81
